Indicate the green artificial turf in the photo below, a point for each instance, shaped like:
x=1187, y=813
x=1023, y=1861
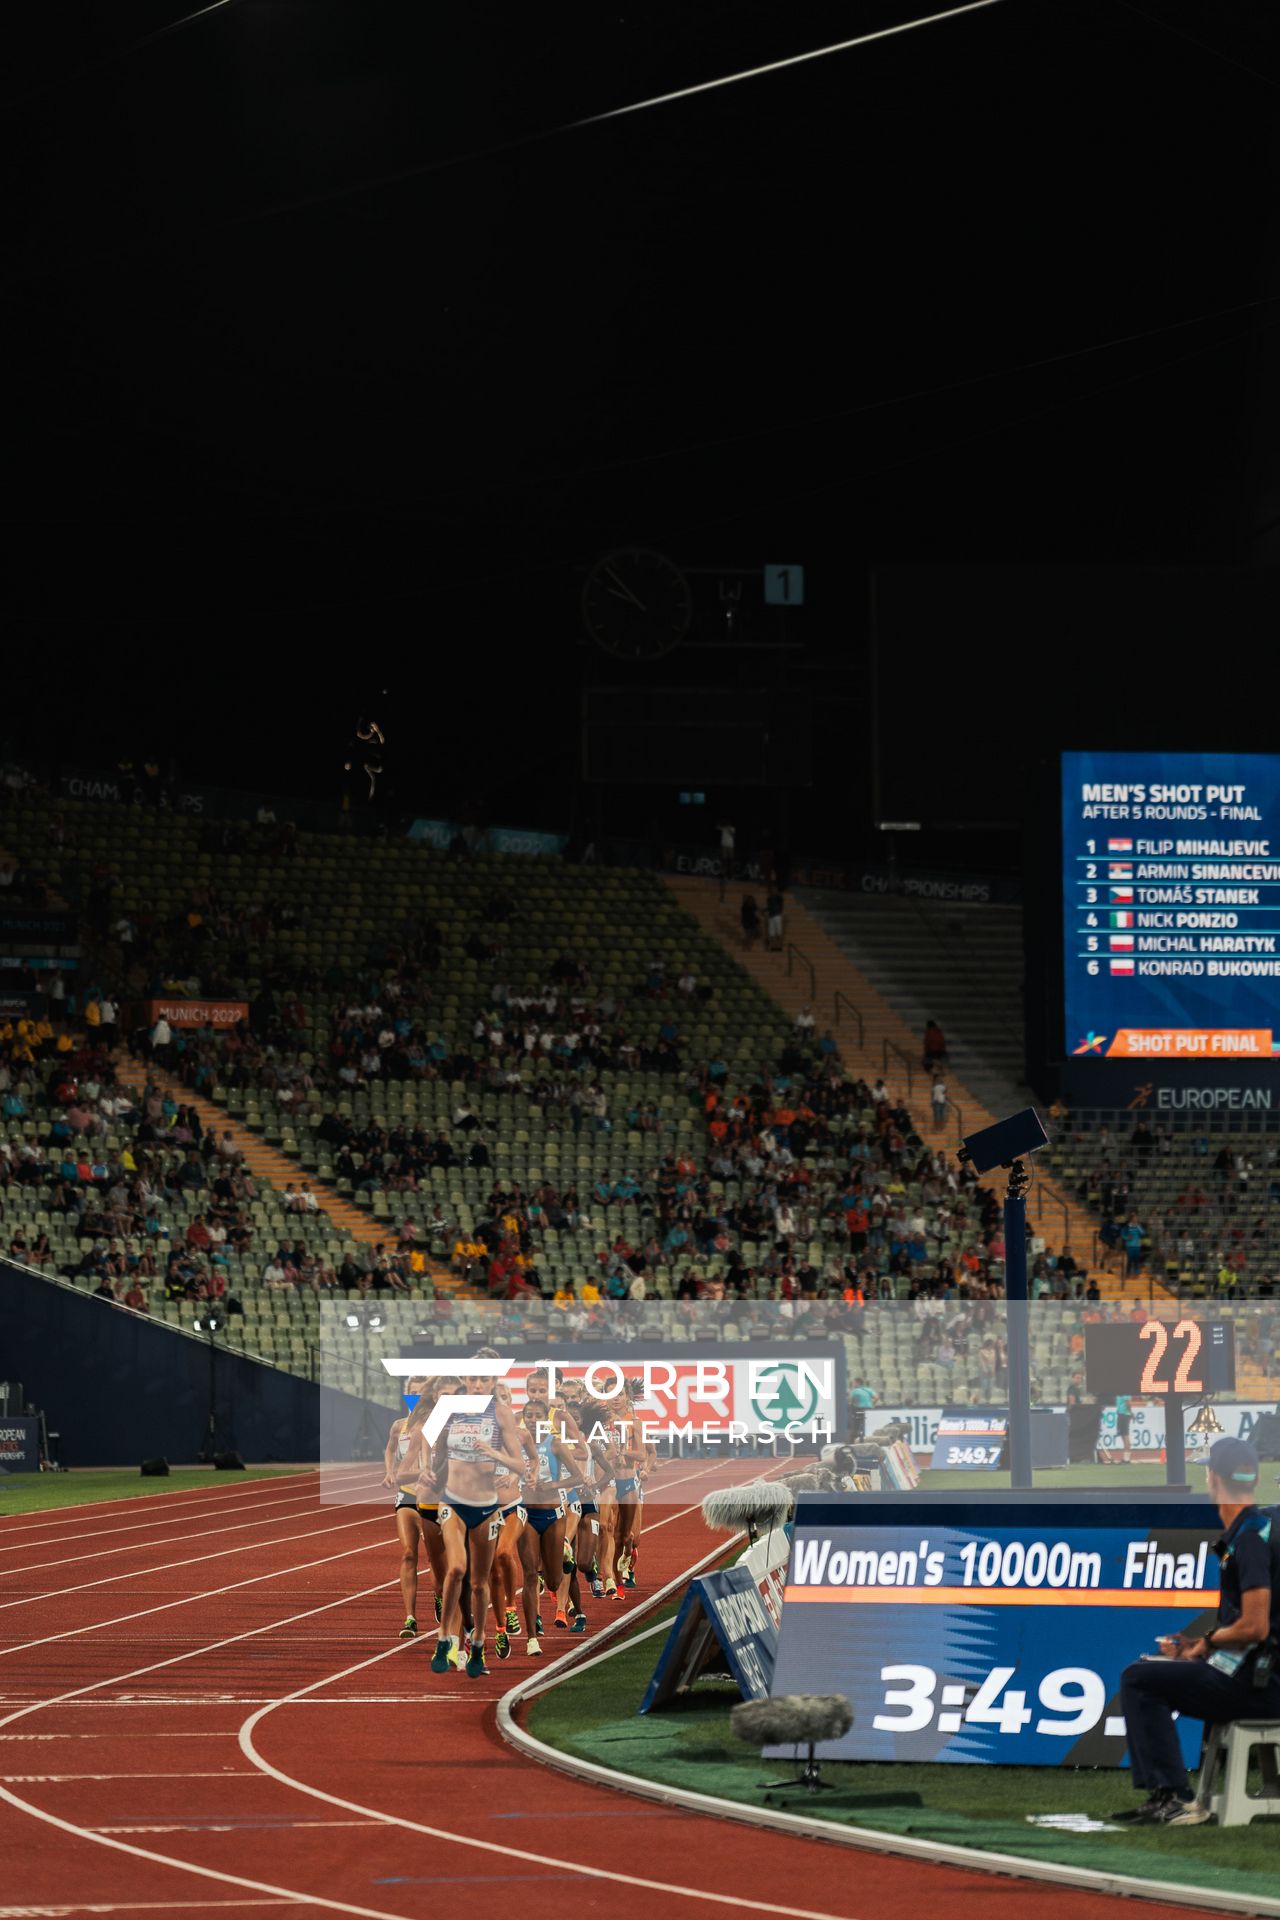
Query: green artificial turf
x=690, y=1745
x=34, y=1492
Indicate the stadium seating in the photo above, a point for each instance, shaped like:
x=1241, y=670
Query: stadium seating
x=325, y=920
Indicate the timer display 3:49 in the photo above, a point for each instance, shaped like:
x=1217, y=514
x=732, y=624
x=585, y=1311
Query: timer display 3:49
x=981, y=1455
x=1071, y=1699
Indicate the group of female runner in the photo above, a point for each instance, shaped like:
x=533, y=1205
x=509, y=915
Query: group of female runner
x=515, y=1508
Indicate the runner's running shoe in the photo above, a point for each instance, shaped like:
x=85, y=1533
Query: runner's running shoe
x=597, y=1586
x=562, y=1618
x=569, y=1562
x=512, y=1621
x=534, y=1647
x=455, y=1654
x=476, y=1668
x=537, y=1623
x=579, y=1623
x=409, y=1631
x=440, y=1658
x=502, y=1644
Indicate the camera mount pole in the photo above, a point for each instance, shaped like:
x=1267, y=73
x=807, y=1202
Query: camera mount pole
x=1017, y=1317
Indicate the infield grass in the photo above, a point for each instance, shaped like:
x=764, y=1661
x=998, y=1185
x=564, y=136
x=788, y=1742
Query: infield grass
x=690, y=1745
x=38, y=1492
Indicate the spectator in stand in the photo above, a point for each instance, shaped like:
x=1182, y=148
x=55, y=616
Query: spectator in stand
x=161, y=1042
x=136, y=1298
x=938, y=1099
x=774, y=907
x=109, y=1014
x=750, y=917
x=935, y=1046
x=1132, y=1236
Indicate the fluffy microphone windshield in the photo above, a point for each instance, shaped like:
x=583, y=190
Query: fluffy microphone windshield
x=758, y=1503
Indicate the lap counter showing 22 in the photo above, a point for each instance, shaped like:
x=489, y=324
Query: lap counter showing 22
x=1171, y=905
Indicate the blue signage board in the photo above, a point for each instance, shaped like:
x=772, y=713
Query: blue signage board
x=722, y=1613
x=992, y=1631
x=20, y=1443
x=1171, y=906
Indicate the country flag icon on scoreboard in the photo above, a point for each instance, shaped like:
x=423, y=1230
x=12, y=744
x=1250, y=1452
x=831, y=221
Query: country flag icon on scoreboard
x=1122, y=919
x=1122, y=943
x=1122, y=966
x=1121, y=871
x=1119, y=846
x=1122, y=894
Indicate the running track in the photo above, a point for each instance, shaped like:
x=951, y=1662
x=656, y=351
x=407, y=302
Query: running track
x=203, y=1713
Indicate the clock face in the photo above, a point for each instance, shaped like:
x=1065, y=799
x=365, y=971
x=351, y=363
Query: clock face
x=637, y=604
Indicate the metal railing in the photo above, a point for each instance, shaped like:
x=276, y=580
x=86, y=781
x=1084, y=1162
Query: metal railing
x=889, y=1048
x=954, y=1107
x=843, y=999
x=806, y=961
x=1042, y=1194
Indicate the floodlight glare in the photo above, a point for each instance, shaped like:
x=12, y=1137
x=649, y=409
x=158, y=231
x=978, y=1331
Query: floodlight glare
x=353, y=1321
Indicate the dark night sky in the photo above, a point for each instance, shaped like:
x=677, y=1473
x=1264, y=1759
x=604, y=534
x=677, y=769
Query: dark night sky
x=325, y=376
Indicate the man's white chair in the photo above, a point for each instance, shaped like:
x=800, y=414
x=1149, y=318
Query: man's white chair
x=1224, y=1771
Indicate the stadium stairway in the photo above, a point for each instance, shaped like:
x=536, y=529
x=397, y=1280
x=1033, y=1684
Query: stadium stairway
x=272, y=1168
x=888, y=1046
x=952, y=961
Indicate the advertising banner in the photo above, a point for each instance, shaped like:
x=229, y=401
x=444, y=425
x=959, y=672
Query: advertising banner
x=441, y=834
x=20, y=1443
x=1147, y=1433
x=722, y=1615
x=38, y=929
x=196, y=1013
x=996, y=1634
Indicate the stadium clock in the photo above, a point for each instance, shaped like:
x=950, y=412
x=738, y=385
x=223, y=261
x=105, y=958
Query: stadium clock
x=637, y=604
x=1157, y=1358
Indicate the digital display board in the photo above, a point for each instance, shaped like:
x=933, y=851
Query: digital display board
x=1171, y=905
x=986, y=1633
x=1158, y=1357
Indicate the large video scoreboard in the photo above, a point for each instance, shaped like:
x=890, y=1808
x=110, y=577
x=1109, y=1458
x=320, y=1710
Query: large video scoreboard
x=1171, y=905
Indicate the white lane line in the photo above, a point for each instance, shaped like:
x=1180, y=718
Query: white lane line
x=68, y=1910
x=227, y=1879
x=296, y=1512
x=287, y=1895
x=193, y=1599
x=11, y=1524
x=233, y=1826
x=211, y=1773
x=714, y=1896
x=241, y=1548
x=283, y=1488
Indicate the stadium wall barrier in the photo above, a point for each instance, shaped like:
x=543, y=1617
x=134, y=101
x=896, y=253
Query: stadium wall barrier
x=119, y=1388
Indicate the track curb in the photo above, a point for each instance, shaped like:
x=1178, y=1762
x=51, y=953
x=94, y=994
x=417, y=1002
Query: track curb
x=864, y=1839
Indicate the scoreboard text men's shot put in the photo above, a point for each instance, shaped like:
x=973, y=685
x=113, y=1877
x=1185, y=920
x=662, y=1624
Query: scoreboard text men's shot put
x=1171, y=905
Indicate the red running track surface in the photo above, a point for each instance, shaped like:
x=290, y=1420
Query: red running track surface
x=204, y=1711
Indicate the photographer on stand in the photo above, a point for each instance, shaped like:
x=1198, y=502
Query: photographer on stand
x=1230, y=1672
